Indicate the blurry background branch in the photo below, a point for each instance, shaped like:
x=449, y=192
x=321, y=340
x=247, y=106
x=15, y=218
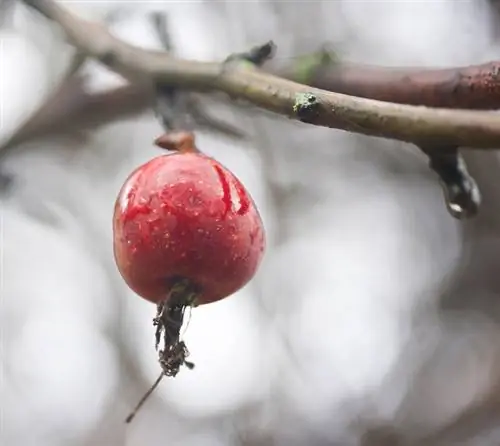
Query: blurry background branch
x=471, y=87
x=72, y=109
x=422, y=126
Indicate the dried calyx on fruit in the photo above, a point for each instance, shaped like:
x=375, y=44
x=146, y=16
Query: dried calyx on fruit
x=186, y=233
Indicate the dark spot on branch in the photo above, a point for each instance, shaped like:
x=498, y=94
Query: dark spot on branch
x=108, y=58
x=6, y=182
x=257, y=55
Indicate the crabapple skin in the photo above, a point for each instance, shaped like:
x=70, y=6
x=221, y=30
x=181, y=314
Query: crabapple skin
x=186, y=216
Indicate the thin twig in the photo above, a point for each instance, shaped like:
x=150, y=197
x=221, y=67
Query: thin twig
x=179, y=109
x=419, y=125
x=144, y=398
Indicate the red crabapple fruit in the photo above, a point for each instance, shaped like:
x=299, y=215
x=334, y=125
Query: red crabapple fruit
x=186, y=233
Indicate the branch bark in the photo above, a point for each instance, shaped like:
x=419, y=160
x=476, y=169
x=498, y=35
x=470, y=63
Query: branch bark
x=471, y=87
x=422, y=126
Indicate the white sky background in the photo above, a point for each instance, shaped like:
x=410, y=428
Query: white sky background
x=314, y=344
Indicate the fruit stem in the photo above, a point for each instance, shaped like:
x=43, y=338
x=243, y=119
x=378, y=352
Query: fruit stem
x=169, y=320
x=177, y=141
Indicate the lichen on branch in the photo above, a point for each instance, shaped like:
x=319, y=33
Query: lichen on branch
x=418, y=125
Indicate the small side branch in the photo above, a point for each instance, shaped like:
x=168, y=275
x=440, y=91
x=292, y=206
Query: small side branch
x=179, y=109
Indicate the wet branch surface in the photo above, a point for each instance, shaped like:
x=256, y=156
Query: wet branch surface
x=241, y=80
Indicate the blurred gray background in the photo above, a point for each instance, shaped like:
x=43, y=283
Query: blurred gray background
x=374, y=319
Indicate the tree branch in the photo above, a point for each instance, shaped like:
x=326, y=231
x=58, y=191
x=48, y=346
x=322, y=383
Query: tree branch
x=72, y=109
x=472, y=87
x=419, y=125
